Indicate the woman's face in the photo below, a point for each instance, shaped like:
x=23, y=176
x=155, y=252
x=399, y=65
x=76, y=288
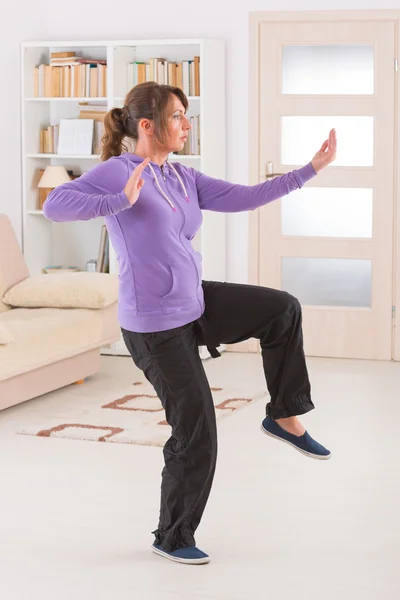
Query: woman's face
x=178, y=125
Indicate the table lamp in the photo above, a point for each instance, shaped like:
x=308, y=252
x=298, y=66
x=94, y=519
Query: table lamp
x=53, y=176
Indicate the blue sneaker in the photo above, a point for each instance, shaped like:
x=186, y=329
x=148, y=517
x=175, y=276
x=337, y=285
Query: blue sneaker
x=303, y=443
x=190, y=555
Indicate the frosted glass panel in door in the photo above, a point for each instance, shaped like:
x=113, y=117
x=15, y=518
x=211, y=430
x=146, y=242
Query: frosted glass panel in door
x=328, y=281
x=328, y=212
x=302, y=137
x=334, y=69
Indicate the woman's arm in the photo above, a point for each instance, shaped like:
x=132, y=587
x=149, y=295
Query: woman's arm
x=222, y=196
x=97, y=193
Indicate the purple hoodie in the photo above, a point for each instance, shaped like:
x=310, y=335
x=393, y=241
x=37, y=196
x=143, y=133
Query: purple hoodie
x=160, y=282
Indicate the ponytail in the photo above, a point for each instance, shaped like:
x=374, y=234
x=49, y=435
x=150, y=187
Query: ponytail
x=113, y=138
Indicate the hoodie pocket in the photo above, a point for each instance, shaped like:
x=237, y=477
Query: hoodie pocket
x=183, y=289
x=173, y=284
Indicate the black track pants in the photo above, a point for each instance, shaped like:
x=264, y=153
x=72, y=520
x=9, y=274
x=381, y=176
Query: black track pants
x=170, y=361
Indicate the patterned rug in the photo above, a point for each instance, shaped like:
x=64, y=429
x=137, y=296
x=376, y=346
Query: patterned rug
x=132, y=416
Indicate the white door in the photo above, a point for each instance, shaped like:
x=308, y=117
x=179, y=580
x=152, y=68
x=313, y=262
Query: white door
x=331, y=243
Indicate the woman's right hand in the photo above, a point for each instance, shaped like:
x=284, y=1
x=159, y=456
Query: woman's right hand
x=135, y=183
x=326, y=154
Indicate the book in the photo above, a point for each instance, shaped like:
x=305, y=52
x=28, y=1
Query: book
x=82, y=79
x=186, y=77
x=93, y=82
x=197, y=75
x=64, y=64
x=92, y=107
x=152, y=73
x=102, y=88
x=191, y=78
x=62, y=54
x=59, y=269
x=55, y=82
x=172, y=74
x=141, y=72
x=47, y=72
x=99, y=132
x=179, y=76
x=102, y=250
x=92, y=61
x=160, y=71
x=95, y=115
x=75, y=136
x=106, y=261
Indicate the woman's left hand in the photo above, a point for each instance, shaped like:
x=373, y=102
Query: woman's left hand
x=326, y=154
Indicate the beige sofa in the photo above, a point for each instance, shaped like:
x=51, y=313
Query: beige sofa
x=47, y=339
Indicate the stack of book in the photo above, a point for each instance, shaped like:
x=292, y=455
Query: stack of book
x=49, y=139
x=185, y=75
x=97, y=112
x=49, y=136
x=70, y=76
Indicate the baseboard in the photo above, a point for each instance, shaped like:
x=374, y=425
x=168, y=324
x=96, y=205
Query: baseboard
x=119, y=348
x=247, y=346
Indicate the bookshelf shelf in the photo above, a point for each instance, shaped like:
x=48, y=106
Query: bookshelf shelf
x=67, y=99
x=88, y=99
x=175, y=157
x=68, y=156
x=190, y=98
x=44, y=242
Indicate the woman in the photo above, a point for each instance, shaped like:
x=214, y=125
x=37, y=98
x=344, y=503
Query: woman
x=152, y=211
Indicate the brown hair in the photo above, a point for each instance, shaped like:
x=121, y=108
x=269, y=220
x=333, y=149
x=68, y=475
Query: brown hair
x=148, y=100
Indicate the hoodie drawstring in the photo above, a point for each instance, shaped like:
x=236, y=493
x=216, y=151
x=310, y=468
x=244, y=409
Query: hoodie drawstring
x=180, y=181
x=162, y=191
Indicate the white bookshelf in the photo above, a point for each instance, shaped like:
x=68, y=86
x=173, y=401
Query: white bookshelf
x=46, y=243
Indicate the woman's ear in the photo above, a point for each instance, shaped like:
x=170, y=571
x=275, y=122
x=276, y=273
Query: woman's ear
x=147, y=126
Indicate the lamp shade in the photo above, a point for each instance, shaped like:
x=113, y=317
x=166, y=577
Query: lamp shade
x=53, y=176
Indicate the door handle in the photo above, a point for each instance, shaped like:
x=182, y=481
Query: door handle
x=269, y=173
x=272, y=175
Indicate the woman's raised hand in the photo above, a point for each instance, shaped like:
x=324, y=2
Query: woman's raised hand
x=135, y=182
x=326, y=154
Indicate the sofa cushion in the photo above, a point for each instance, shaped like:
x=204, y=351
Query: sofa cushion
x=13, y=267
x=3, y=307
x=42, y=336
x=5, y=335
x=64, y=290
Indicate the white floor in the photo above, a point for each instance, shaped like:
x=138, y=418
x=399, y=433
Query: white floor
x=76, y=517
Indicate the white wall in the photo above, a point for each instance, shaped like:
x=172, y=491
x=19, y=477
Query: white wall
x=105, y=19
x=22, y=21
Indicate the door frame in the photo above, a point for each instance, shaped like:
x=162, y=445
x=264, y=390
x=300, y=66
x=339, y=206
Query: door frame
x=256, y=169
